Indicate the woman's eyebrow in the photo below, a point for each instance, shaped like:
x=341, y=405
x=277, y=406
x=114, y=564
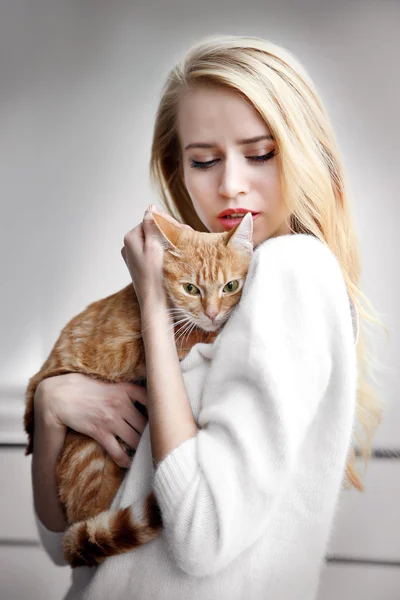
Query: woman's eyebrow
x=252, y=140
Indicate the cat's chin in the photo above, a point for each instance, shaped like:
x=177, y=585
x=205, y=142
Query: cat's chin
x=211, y=327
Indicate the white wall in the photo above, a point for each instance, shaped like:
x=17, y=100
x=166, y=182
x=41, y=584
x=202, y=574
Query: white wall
x=80, y=83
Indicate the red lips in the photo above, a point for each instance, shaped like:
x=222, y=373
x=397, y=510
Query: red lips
x=228, y=223
x=231, y=211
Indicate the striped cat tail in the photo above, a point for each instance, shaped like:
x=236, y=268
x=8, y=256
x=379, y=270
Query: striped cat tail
x=88, y=543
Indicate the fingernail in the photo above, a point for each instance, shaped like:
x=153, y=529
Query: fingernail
x=151, y=207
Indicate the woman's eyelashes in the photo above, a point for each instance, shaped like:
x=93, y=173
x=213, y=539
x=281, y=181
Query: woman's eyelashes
x=195, y=164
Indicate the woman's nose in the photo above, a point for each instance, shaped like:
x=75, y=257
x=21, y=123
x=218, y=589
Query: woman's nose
x=233, y=180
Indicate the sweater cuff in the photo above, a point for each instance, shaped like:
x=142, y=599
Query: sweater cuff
x=51, y=542
x=174, y=473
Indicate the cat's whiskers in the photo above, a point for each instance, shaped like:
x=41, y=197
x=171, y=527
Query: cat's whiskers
x=190, y=330
x=184, y=329
x=173, y=312
x=148, y=322
x=176, y=323
x=168, y=310
x=176, y=312
x=186, y=321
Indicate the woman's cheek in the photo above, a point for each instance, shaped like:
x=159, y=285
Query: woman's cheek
x=199, y=189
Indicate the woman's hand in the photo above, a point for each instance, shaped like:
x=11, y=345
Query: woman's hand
x=143, y=254
x=96, y=408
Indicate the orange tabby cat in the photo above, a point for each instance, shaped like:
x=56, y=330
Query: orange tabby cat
x=104, y=341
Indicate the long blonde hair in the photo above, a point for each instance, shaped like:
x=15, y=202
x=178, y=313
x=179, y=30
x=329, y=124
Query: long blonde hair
x=313, y=182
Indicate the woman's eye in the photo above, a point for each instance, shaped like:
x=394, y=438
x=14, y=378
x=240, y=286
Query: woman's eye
x=262, y=158
x=195, y=164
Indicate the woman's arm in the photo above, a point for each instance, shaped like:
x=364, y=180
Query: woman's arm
x=170, y=415
x=171, y=419
x=95, y=408
x=49, y=439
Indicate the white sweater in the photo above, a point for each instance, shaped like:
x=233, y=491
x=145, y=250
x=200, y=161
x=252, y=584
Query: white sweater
x=248, y=504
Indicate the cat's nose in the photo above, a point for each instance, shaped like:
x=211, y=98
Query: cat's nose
x=212, y=314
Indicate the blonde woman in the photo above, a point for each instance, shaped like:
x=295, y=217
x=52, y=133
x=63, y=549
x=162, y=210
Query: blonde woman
x=248, y=498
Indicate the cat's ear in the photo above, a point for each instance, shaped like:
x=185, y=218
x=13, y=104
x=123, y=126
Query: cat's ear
x=167, y=232
x=241, y=237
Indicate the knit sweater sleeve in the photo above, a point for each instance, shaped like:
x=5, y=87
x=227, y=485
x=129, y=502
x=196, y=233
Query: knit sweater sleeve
x=282, y=347
x=51, y=542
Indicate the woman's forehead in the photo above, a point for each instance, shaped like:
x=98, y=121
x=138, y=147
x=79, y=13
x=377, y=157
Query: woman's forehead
x=208, y=113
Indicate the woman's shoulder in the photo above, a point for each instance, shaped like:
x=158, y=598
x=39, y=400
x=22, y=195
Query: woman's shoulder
x=301, y=264
x=299, y=253
x=293, y=246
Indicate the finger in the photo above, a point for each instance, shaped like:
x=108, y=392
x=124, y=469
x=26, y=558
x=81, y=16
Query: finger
x=115, y=451
x=135, y=418
x=128, y=434
x=149, y=226
x=141, y=409
x=135, y=392
x=134, y=236
x=148, y=214
x=141, y=234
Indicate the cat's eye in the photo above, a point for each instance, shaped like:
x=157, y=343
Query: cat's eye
x=232, y=286
x=191, y=289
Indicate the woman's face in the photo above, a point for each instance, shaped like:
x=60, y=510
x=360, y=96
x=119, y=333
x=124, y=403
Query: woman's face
x=212, y=124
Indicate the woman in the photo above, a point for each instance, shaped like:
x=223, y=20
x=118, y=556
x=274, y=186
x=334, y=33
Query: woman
x=248, y=499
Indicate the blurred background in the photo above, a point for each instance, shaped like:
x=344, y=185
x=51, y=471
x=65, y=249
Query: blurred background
x=80, y=83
